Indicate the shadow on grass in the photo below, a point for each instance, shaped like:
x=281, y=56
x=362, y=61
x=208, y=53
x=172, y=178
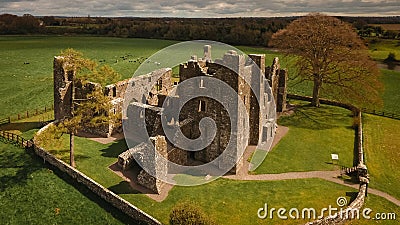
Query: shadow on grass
x=123, y=188
x=116, y=213
x=325, y=117
x=115, y=149
x=21, y=126
x=16, y=168
x=63, y=155
x=352, y=195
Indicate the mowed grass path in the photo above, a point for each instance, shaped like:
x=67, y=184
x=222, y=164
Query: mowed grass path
x=30, y=193
x=382, y=144
x=314, y=133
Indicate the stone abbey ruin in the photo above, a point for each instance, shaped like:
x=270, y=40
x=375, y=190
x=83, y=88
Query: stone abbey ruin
x=150, y=108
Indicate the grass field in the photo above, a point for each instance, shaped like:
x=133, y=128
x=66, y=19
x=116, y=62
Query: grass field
x=391, y=93
x=30, y=193
x=382, y=144
x=237, y=202
x=313, y=135
x=381, y=48
x=388, y=26
x=219, y=199
x=30, y=86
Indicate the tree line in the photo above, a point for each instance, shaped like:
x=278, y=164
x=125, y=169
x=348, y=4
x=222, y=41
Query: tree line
x=236, y=31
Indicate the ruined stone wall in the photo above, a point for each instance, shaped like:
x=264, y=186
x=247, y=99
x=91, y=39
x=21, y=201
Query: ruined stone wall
x=159, y=168
x=62, y=89
x=152, y=116
x=116, y=90
x=225, y=70
x=82, y=90
x=258, y=86
x=277, y=79
x=178, y=156
x=281, y=91
x=65, y=85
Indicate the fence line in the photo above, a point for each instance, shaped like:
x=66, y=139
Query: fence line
x=347, y=106
x=15, y=138
x=381, y=113
x=26, y=114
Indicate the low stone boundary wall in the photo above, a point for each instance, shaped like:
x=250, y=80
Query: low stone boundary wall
x=95, y=187
x=326, y=102
x=345, y=215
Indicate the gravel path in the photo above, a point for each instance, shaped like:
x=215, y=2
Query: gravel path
x=331, y=176
x=242, y=174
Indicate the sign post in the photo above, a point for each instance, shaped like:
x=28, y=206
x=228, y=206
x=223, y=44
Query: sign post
x=335, y=158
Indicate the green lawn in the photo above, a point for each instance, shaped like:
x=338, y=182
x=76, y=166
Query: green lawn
x=380, y=49
x=391, y=94
x=30, y=193
x=237, y=202
x=382, y=144
x=220, y=199
x=314, y=133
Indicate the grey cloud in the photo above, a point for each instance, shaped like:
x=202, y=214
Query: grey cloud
x=195, y=8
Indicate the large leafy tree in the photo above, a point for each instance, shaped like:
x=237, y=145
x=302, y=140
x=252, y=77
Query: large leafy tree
x=329, y=53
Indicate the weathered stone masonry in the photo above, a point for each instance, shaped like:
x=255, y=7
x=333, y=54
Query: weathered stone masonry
x=226, y=69
x=200, y=107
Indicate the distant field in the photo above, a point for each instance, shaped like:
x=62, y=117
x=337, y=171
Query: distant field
x=27, y=64
x=25, y=86
x=380, y=48
x=395, y=27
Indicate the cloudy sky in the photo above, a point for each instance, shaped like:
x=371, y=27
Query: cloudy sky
x=200, y=8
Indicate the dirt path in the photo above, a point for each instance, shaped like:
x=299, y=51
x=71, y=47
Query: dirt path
x=101, y=140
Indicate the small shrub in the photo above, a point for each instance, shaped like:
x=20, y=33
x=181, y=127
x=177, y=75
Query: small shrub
x=188, y=213
x=390, y=58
